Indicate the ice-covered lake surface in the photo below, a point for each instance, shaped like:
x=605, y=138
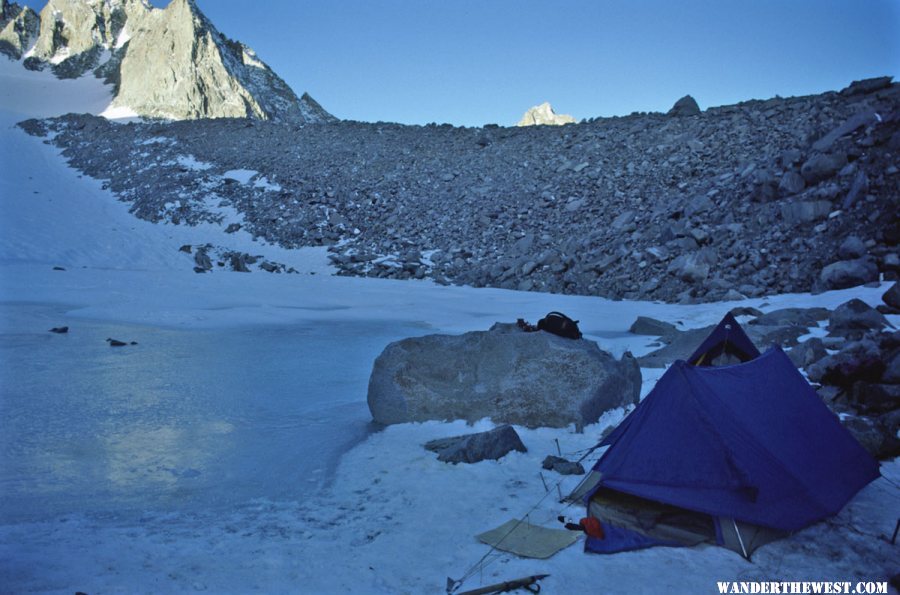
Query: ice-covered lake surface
x=186, y=419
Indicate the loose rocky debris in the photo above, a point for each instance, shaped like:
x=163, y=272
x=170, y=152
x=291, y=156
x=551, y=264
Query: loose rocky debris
x=782, y=195
x=471, y=448
x=860, y=377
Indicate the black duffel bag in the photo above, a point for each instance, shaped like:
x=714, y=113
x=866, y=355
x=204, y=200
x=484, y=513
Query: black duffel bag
x=559, y=324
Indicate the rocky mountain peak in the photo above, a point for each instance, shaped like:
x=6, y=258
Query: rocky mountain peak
x=18, y=29
x=169, y=63
x=543, y=114
x=74, y=32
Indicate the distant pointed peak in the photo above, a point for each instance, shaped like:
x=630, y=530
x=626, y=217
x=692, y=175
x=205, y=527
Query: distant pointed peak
x=543, y=114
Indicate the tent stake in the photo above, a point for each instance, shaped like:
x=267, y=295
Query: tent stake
x=896, y=529
x=558, y=451
x=546, y=489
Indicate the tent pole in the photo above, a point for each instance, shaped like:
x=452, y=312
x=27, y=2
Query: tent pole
x=740, y=541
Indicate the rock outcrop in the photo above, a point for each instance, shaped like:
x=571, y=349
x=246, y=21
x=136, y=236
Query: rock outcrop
x=18, y=29
x=686, y=106
x=543, y=115
x=167, y=63
x=532, y=379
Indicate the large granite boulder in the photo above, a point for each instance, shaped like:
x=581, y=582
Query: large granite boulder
x=531, y=379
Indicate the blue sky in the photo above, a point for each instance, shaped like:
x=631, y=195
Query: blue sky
x=472, y=62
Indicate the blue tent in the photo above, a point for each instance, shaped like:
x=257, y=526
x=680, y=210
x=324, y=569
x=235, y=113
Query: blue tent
x=736, y=455
x=728, y=338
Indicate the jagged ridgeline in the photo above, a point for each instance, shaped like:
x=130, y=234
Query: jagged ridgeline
x=168, y=63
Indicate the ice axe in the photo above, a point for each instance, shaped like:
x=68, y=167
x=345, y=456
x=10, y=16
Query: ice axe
x=529, y=583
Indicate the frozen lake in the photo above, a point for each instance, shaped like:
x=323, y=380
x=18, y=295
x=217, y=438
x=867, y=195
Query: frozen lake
x=184, y=420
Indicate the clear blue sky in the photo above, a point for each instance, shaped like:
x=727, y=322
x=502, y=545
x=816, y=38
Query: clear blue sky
x=473, y=62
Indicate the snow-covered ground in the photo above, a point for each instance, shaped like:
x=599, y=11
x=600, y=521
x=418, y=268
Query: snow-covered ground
x=230, y=450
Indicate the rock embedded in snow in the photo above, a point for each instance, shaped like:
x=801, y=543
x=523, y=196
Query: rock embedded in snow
x=891, y=297
x=202, y=260
x=482, y=446
x=562, y=466
x=645, y=325
x=854, y=319
x=543, y=115
x=531, y=379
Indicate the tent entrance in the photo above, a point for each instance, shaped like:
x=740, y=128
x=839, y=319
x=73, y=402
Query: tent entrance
x=652, y=519
x=656, y=523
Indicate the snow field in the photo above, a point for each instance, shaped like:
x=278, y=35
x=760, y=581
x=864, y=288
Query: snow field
x=393, y=519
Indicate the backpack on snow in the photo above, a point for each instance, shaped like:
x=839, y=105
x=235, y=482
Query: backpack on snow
x=559, y=324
